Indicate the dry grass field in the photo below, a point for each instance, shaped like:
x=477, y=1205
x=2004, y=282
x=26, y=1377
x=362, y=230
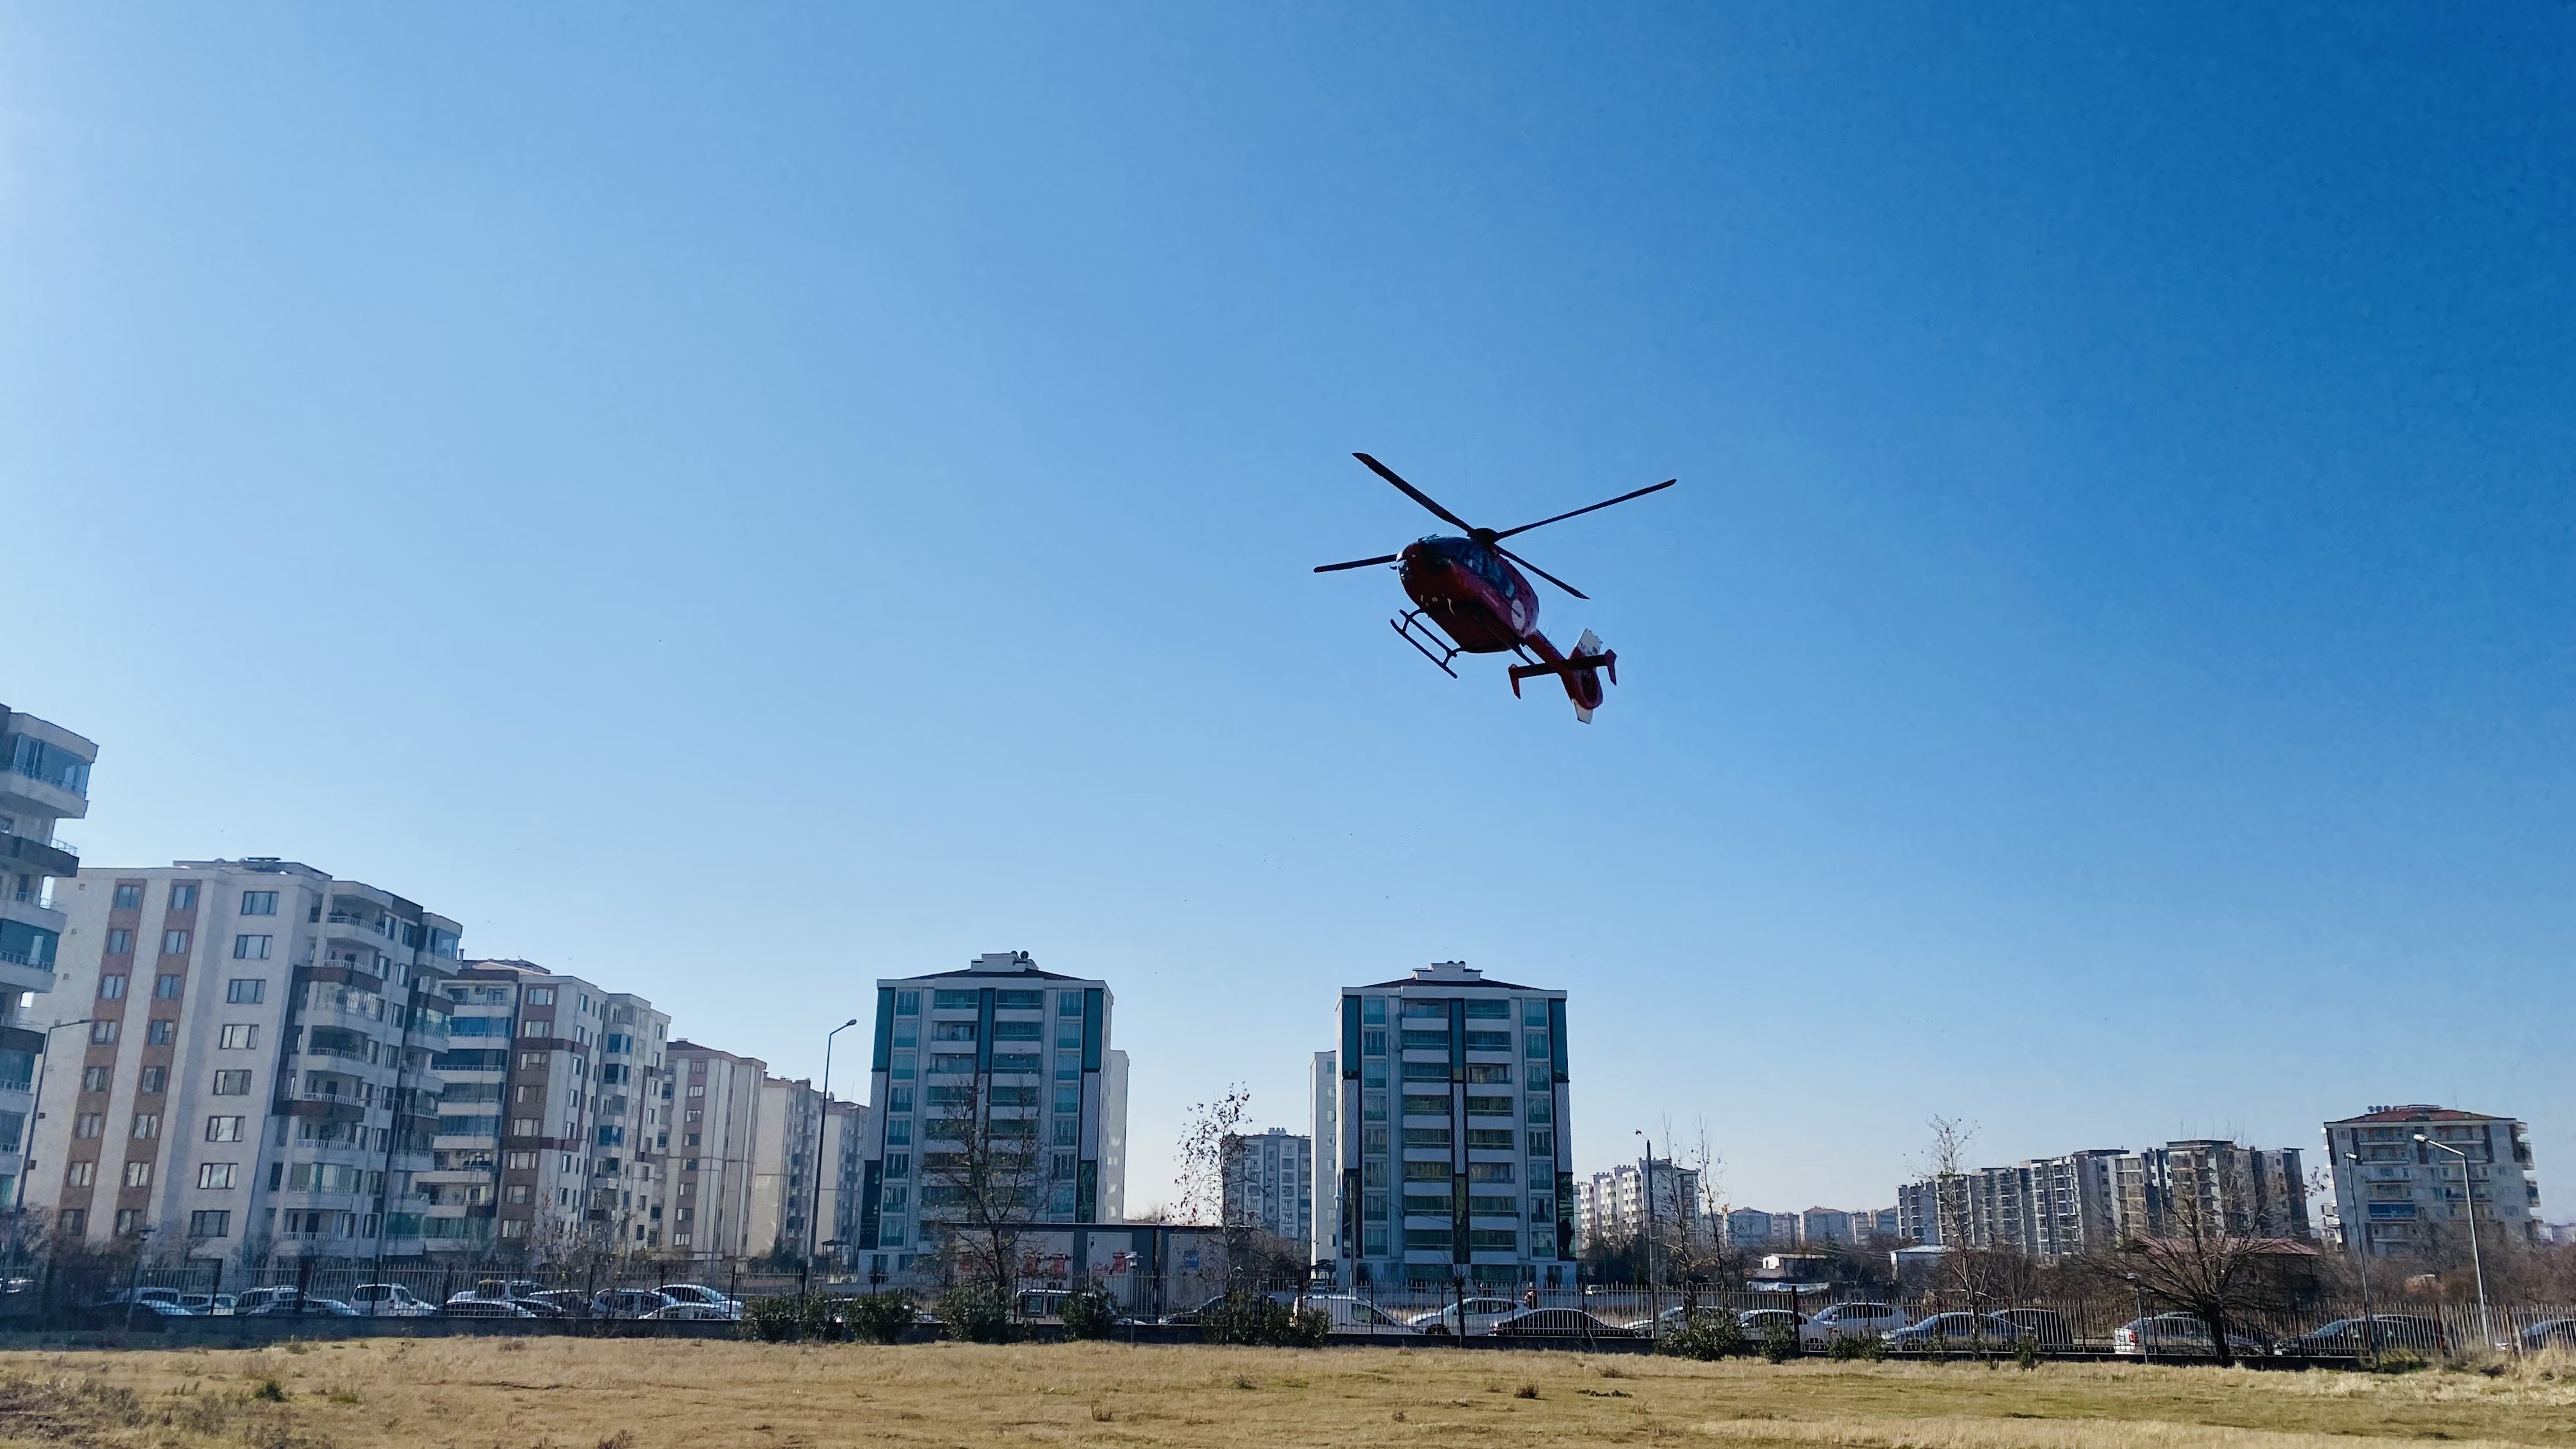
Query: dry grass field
x=494, y=1393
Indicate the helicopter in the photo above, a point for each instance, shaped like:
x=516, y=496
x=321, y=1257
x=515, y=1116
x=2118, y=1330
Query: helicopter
x=1470, y=600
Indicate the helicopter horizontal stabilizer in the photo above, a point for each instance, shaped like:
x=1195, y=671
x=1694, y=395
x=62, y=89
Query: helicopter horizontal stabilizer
x=1580, y=672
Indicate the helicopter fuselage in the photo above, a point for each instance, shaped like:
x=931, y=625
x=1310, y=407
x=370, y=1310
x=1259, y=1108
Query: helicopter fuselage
x=1479, y=599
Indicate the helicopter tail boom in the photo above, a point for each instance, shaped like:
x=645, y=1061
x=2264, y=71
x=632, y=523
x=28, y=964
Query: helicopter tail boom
x=1580, y=671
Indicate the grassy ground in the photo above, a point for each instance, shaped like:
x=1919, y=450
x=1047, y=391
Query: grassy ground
x=549, y=1393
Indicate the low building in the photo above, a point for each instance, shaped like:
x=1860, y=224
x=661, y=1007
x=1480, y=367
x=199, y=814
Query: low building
x=2401, y=1194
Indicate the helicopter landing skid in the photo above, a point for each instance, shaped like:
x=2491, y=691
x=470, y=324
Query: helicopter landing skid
x=1416, y=633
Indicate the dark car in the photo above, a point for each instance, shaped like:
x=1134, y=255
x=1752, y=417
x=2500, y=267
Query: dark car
x=2550, y=1333
x=2392, y=1333
x=1946, y=1332
x=1557, y=1323
x=2046, y=1326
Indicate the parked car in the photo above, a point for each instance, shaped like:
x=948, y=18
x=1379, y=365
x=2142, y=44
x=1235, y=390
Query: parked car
x=1482, y=1315
x=155, y=1307
x=219, y=1305
x=703, y=1296
x=626, y=1302
x=2182, y=1335
x=123, y=1296
x=1862, y=1320
x=1944, y=1332
x=2047, y=1325
x=1757, y=1322
x=253, y=1299
x=294, y=1306
x=1194, y=1314
x=555, y=1303
x=1556, y=1323
x=689, y=1313
x=388, y=1300
x=466, y=1305
x=2550, y=1333
x=2393, y=1332
x=1355, y=1315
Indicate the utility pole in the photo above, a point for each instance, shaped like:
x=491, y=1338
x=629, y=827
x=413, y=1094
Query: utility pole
x=2469, y=1201
x=2361, y=1259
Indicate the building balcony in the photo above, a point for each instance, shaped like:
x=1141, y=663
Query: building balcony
x=38, y=857
x=21, y=972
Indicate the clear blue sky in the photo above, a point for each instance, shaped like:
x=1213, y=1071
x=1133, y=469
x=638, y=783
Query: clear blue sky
x=742, y=502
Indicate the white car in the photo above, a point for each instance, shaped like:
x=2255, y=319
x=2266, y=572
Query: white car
x=1862, y=1320
x=388, y=1300
x=1482, y=1315
x=700, y=1295
x=1358, y=1316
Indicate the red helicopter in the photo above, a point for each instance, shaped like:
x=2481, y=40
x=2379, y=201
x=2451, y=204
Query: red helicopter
x=1466, y=587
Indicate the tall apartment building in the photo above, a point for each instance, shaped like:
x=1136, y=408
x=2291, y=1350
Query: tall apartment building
x=554, y=1127
x=845, y=1147
x=1268, y=1182
x=1031, y=1050
x=1324, y=1091
x=2402, y=1193
x=1453, y=1152
x=257, y=1071
x=44, y=779
x=2087, y=1201
x=1752, y=1230
x=708, y=1193
x=1819, y=1226
x=786, y=1138
x=1611, y=1206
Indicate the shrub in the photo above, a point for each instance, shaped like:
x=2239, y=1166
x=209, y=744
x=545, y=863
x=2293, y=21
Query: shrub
x=1849, y=1346
x=2026, y=1351
x=879, y=1317
x=788, y=1318
x=1309, y=1328
x=1702, y=1336
x=1244, y=1318
x=1780, y=1341
x=977, y=1313
x=1089, y=1312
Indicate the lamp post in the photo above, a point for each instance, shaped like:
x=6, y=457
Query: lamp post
x=35, y=1114
x=822, y=1119
x=1654, y=1300
x=2361, y=1258
x=2469, y=1197
x=2146, y=1330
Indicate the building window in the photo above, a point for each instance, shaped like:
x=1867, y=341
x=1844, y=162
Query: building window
x=160, y=1031
x=541, y=996
x=1373, y=1010
x=899, y=1134
x=147, y=1125
x=102, y=1033
x=1373, y=1043
x=1490, y=1172
x=237, y=1036
x=1534, y=1045
x=223, y=1129
x=138, y=1174
x=183, y=896
x=250, y=948
x=259, y=903
x=233, y=1083
x=153, y=1079
x=168, y=987
x=1542, y=1109
x=129, y=1221
x=129, y=898
x=95, y=1079
x=111, y=988
x=88, y=1124
x=174, y=943
x=80, y=1174
x=215, y=1176
x=246, y=991
x=210, y=1223
x=1499, y=1072
x=120, y=942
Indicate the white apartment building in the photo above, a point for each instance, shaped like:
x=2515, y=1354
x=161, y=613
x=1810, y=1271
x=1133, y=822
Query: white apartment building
x=1610, y=1207
x=845, y=1128
x=1033, y=1049
x=2058, y=1207
x=786, y=1138
x=2402, y=1193
x=708, y=1193
x=257, y=1073
x=555, y=1123
x=44, y=779
x=1268, y=1182
x=1324, y=1088
x=1453, y=1148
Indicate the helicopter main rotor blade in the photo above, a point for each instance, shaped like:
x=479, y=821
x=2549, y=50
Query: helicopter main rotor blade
x=1416, y=494
x=1357, y=563
x=1560, y=518
x=1542, y=573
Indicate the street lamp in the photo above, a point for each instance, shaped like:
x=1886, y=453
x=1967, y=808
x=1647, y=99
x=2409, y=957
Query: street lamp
x=2361, y=1258
x=1654, y=1300
x=2146, y=1330
x=2469, y=1195
x=822, y=1118
x=35, y=1114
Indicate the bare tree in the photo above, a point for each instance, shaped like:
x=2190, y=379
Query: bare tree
x=1694, y=1251
x=2203, y=1253
x=1209, y=1146
x=983, y=1175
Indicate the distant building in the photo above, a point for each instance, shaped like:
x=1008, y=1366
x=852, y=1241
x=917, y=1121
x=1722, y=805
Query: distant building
x=844, y=1162
x=1452, y=1152
x=1610, y=1207
x=707, y=1202
x=1324, y=1085
x=1751, y=1230
x=1031, y=1045
x=1269, y=1183
x=2402, y=1192
x=44, y=779
x=2087, y=1201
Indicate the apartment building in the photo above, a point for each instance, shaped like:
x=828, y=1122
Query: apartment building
x=1752, y=1230
x=708, y=1193
x=44, y=780
x=1324, y=1091
x=256, y=1075
x=1029, y=1051
x=1821, y=1226
x=845, y=1128
x=554, y=1127
x=787, y=1135
x=1268, y=1182
x=1453, y=1152
x=2212, y=1184
x=2091, y=1200
x=1610, y=1207
x=2401, y=1194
